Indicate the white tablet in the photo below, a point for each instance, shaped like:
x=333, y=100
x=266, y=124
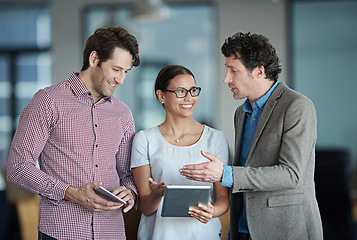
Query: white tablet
x=178, y=199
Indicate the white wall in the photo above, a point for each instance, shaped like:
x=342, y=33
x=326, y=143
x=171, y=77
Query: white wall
x=255, y=16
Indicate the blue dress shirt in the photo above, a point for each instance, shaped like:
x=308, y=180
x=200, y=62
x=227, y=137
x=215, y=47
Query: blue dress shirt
x=249, y=128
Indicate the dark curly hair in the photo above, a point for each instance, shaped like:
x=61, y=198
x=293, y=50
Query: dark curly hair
x=253, y=50
x=105, y=40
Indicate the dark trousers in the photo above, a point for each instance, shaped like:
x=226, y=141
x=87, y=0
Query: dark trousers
x=42, y=236
x=244, y=236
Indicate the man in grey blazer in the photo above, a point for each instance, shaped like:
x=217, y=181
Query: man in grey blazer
x=272, y=173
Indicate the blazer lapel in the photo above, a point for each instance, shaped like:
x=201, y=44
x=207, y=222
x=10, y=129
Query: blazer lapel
x=264, y=118
x=239, y=119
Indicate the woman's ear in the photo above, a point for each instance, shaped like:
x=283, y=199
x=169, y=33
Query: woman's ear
x=160, y=95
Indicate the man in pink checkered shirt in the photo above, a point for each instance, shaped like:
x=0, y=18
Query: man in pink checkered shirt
x=81, y=137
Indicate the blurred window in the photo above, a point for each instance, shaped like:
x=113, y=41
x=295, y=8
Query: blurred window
x=188, y=38
x=324, y=49
x=25, y=63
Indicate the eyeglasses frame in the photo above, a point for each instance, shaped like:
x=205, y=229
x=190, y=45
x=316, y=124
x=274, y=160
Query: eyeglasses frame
x=186, y=90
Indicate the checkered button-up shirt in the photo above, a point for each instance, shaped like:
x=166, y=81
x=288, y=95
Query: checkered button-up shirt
x=75, y=141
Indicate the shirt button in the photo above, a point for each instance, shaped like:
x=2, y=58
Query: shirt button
x=96, y=145
x=95, y=125
x=96, y=165
x=253, y=119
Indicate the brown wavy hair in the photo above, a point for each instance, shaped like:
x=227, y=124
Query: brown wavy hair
x=105, y=40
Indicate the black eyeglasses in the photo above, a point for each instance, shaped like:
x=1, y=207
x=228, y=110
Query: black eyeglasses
x=182, y=92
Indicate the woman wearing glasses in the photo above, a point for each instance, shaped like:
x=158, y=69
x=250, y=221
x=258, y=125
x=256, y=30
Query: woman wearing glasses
x=158, y=154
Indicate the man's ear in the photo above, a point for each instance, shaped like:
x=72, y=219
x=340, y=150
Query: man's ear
x=259, y=72
x=93, y=59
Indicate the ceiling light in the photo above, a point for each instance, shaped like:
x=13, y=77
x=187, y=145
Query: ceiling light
x=150, y=11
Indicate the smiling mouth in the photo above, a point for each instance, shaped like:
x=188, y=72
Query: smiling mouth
x=187, y=106
x=111, y=84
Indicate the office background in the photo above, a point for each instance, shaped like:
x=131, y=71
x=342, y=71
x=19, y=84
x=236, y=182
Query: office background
x=41, y=43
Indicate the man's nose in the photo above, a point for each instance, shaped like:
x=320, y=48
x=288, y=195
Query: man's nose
x=120, y=78
x=226, y=78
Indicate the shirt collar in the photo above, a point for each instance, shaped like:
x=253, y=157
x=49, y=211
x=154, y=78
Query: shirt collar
x=259, y=104
x=79, y=89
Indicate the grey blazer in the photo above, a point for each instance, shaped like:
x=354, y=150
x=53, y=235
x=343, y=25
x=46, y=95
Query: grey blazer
x=278, y=177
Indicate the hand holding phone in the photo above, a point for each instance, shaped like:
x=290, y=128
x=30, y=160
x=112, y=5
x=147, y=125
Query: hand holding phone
x=104, y=193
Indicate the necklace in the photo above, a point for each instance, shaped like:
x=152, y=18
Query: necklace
x=177, y=140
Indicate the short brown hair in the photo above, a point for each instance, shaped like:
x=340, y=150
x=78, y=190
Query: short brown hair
x=105, y=40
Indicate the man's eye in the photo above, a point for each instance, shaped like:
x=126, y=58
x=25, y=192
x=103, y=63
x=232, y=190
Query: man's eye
x=179, y=91
x=119, y=70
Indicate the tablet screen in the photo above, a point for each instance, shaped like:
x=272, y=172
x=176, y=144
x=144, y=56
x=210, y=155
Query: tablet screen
x=178, y=199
